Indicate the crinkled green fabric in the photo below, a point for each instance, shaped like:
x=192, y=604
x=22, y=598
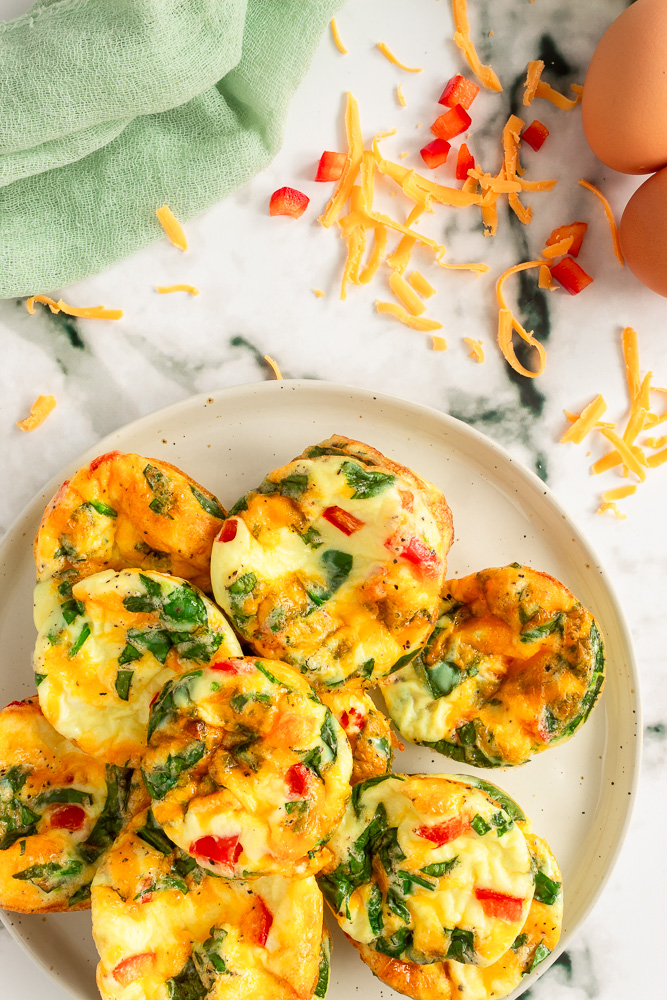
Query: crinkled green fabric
x=110, y=108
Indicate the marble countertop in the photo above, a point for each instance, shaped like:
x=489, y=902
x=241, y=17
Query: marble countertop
x=256, y=275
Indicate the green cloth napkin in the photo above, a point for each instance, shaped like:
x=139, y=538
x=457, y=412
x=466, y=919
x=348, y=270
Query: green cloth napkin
x=110, y=108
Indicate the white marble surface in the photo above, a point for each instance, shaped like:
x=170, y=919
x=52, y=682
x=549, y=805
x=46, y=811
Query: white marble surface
x=256, y=276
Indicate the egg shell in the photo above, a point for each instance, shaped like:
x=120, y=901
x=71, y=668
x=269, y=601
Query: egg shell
x=644, y=233
x=625, y=91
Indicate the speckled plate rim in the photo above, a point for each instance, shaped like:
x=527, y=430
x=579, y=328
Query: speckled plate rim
x=479, y=449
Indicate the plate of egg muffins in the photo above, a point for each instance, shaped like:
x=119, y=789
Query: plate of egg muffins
x=296, y=675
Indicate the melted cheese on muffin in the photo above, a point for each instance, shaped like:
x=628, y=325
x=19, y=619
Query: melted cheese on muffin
x=335, y=562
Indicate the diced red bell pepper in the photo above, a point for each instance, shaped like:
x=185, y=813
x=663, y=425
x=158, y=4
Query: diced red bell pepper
x=452, y=123
x=12, y=703
x=435, y=153
x=465, y=161
x=298, y=779
x=263, y=922
x=228, y=531
x=352, y=721
x=535, y=135
x=420, y=555
x=331, y=166
x=232, y=667
x=96, y=462
x=67, y=818
x=343, y=520
x=443, y=833
x=577, y=230
x=133, y=967
x=220, y=850
x=497, y=904
x=288, y=201
x=459, y=90
x=571, y=276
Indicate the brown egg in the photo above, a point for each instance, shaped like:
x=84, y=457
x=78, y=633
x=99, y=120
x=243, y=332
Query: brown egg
x=625, y=92
x=644, y=233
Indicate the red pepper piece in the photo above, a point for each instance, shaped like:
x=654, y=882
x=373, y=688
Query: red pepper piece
x=459, y=90
x=352, y=721
x=435, y=153
x=67, y=818
x=288, y=201
x=133, y=967
x=220, y=850
x=343, y=520
x=228, y=531
x=331, y=165
x=263, y=921
x=452, y=123
x=535, y=135
x=443, y=833
x=577, y=230
x=298, y=781
x=96, y=462
x=419, y=554
x=12, y=703
x=497, y=904
x=571, y=276
x=232, y=667
x=464, y=162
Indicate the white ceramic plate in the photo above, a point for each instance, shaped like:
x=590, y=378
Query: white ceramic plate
x=578, y=796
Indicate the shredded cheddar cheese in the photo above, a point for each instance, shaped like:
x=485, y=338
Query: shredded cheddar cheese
x=438, y=343
x=609, y=505
x=168, y=289
x=476, y=349
x=421, y=285
x=558, y=249
x=559, y=100
x=653, y=461
x=659, y=442
x=535, y=70
x=318, y=293
x=39, y=411
x=545, y=280
x=631, y=357
x=336, y=37
x=355, y=148
x=388, y=54
x=274, y=367
x=401, y=314
x=509, y=324
x=616, y=239
x=585, y=422
x=400, y=96
x=484, y=74
x=405, y=294
x=85, y=312
x=172, y=227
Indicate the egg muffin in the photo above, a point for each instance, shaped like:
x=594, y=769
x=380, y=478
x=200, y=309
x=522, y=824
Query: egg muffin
x=334, y=564
x=368, y=730
x=59, y=811
x=165, y=927
x=249, y=772
x=428, y=868
x=104, y=654
x=515, y=665
x=121, y=511
x=456, y=981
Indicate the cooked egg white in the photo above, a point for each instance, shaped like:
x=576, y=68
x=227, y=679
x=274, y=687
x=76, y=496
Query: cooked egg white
x=104, y=654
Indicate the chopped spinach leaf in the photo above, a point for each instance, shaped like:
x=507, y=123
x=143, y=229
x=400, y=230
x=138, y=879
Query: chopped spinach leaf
x=209, y=504
x=374, y=910
x=244, y=584
x=479, y=825
x=502, y=823
x=82, y=895
x=61, y=795
x=186, y=985
x=65, y=588
x=296, y=806
x=554, y=624
x=129, y=655
x=240, y=505
x=185, y=607
x=208, y=959
x=401, y=662
x=541, y=952
x=153, y=834
x=411, y=878
x=239, y=701
x=519, y=942
x=442, y=677
x=83, y=635
x=365, y=482
x=546, y=890
x=361, y=787
x=123, y=683
x=49, y=876
x=328, y=734
x=39, y=678
x=337, y=566
x=160, y=485
x=441, y=868
x=294, y=485
x=114, y=813
x=313, y=760
x=312, y=538
x=17, y=820
x=502, y=798
x=152, y=640
x=103, y=508
x=71, y=609
x=396, y=945
x=163, y=777
x=267, y=673
x=325, y=963
x=66, y=550
x=380, y=744
x=461, y=945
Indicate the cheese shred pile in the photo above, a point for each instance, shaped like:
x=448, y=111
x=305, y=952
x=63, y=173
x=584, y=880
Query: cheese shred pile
x=628, y=453
x=273, y=365
x=388, y=54
x=87, y=312
x=615, y=236
x=172, y=227
x=39, y=411
x=484, y=74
